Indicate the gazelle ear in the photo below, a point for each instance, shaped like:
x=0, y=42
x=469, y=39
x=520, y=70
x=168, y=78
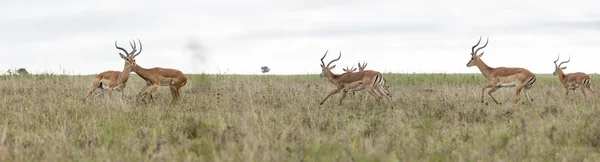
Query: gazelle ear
x=563, y=68
x=332, y=67
x=122, y=56
x=481, y=54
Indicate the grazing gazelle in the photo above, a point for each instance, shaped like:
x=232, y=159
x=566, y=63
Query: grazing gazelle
x=371, y=81
x=157, y=76
x=499, y=77
x=572, y=81
x=115, y=80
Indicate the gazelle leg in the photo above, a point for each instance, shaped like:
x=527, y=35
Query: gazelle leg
x=110, y=93
x=494, y=89
x=372, y=92
x=384, y=93
x=529, y=99
x=122, y=94
x=343, y=96
x=144, y=88
x=489, y=85
x=583, y=91
x=95, y=85
x=177, y=94
x=589, y=87
x=153, y=90
x=518, y=90
x=331, y=93
x=172, y=88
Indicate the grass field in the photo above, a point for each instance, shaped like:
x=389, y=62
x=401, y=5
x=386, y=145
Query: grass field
x=436, y=117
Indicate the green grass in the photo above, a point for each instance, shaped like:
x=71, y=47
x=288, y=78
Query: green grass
x=436, y=117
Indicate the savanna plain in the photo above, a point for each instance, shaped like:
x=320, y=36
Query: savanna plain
x=435, y=117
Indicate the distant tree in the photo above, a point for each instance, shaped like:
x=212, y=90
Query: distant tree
x=22, y=71
x=265, y=69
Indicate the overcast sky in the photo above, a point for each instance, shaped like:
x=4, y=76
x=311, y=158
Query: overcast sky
x=421, y=36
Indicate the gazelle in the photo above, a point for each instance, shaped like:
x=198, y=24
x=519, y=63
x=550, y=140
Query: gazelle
x=385, y=86
x=499, y=77
x=572, y=81
x=359, y=87
x=362, y=68
x=157, y=76
x=349, y=70
x=115, y=80
x=369, y=80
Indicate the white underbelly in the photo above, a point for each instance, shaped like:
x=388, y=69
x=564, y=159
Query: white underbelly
x=105, y=84
x=509, y=84
x=356, y=86
x=166, y=82
x=359, y=88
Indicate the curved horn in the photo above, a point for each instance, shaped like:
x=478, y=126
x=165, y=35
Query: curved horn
x=486, y=43
x=335, y=59
x=323, y=63
x=133, y=47
x=557, y=60
x=140, y=51
x=565, y=61
x=473, y=48
x=121, y=48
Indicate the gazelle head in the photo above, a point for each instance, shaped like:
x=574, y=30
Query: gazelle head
x=326, y=69
x=474, y=56
x=362, y=68
x=129, y=57
x=349, y=70
x=557, y=68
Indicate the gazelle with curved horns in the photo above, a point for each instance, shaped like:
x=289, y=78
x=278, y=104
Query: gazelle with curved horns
x=572, y=81
x=116, y=80
x=520, y=78
x=369, y=80
x=158, y=76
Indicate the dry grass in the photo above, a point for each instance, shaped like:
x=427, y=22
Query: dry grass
x=277, y=118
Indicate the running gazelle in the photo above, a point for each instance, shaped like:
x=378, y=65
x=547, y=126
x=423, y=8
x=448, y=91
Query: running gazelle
x=371, y=81
x=572, y=81
x=520, y=78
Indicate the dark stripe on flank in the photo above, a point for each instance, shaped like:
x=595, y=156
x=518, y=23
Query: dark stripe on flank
x=377, y=77
x=530, y=82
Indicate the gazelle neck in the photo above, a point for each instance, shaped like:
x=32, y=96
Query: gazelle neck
x=484, y=68
x=332, y=77
x=125, y=74
x=561, y=75
x=140, y=71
